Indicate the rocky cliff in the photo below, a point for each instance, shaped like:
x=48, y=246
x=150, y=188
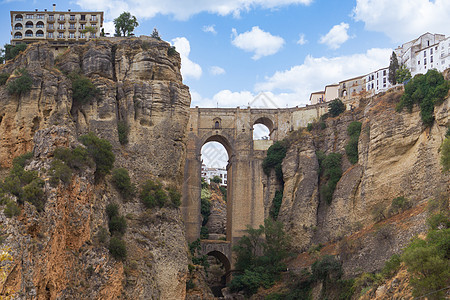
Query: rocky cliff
x=398, y=156
x=56, y=252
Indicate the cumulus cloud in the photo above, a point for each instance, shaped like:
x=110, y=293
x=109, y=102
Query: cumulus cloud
x=183, y=10
x=215, y=70
x=188, y=67
x=336, y=36
x=109, y=28
x=302, y=40
x=258, y=41
x=209, y=28
x=403, y=20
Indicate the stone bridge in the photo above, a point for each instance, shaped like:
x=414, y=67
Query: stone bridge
x=233, y=128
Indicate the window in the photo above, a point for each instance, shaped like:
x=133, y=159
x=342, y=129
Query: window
x=82, y=26
x=418, y=62
x=94, y=18
x=40, y=24
x=372, y=86
x=29, y=16
x=384, y=72
x=428, y=43
x=28, y=33
x=60, y=35
x=29, y=24
x=72, y=17
x=61, y=26
x=431, y=51
x=384, y=80
x=435, y=48
x=51, y=17
x=61, y=17
x=40, y=16
x=377, y=74
x=18, y=27
x=18, y=18
x=50, y=35
x=71, y=35
x=72, y=26
x=83, y=18
x=50, y=26
x=424, y=61
x=431, y=59
x=425, y=53
x=82, y=35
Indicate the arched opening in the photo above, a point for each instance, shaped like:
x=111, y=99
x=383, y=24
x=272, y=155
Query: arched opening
x=215, y=154
x=28, y=33
x=18, y=26
x=18, y=18
x=40, y=24
x=29, y=24
x=219, y=266
x=39, y=33
x=262, y=129
x=18, y=35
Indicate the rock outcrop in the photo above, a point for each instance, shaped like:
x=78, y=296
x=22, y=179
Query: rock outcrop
x=56, y=252
x=398, y=156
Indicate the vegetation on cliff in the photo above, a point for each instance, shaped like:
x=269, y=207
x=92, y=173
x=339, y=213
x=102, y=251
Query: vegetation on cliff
x=336, y=107
x=331, y=171
x=426, y=91
x=21, y=84
x=353, y=130
x=101, y=152
x=275, y=155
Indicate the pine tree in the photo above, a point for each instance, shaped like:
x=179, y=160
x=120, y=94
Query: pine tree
x=393, y=67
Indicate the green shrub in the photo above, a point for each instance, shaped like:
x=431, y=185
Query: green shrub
x=391, y=266
x=117, y=224
x=102, y=236
x=351, y=149
x=122, y=181
x=59, y=171
x=327, y=269
x=112, y=210
x=11, y=51
x=276, y=205
x=216, y=179
x=122, y=130
x=3, y=78
x=427, y=263
x=330, y=169
x=117, y=248
x=223, y=190
x=427, y=91
x=445, y=155
x=275, y=155
x=174, y=196
x=378, y=213
x=438, y=221
x=189, y=283
x=399, y=205
x=11, y=209
x=171, y=51
x=336, y=107
x=83, y=90
x=101, y=151
x=12, y=185
x=152, y=194
x=34, y=194
x=309, y=127
x=22, y=160
x=204, y=233
x=205, y=208
x=20, y=85
x=76, y=158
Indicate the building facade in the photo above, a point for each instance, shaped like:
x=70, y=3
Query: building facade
x=209, y=173
x=317, y=97
x=352, y=88
x=59, y=28
x=377, y=81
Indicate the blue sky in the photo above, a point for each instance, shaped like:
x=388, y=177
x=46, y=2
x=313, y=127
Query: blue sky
x=232, y=50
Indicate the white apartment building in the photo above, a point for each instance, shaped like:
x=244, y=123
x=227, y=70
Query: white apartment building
x=209, y=173
x=59, y=28
x=429, y=51
x=377, y=81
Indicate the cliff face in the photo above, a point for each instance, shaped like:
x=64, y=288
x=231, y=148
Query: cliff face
x=56, y=252
x=397, y=157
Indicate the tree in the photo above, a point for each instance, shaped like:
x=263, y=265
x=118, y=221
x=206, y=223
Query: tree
x=393, y=67
x=125, y=24
x=336, y=107
x=155, y=34
x=403, y=74
x=216, y=179
x=445, y=155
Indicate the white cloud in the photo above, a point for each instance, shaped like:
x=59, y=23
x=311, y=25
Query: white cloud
x=188, y=67
x=403, y=20
x=336, y=36
x=215, y=70
x=109, y=28
x=209, y=28
x=258, y=41
x=302, y=40
x=299, y=81
x=182, y=10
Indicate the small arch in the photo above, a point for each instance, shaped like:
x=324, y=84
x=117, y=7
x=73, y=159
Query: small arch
x=28, y=33
x=29, y=24
x=217, y=123
x=18, y=26
x=18, y=35
x=265, y=121
x=344, y=93
x=262, y=128
x=40, y=24
x=39, y=33
x=18, y=18
x=222, y=258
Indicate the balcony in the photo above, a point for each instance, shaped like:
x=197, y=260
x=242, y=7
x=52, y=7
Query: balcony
x=72, y=29
x=81, y=21
x=29, y=26
x=18, y=28
x=51, y=20
x=61, y=29
x=72, y=20
x=50, y=29
x=61, y=20
x=93, y=20
x=18, y=19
